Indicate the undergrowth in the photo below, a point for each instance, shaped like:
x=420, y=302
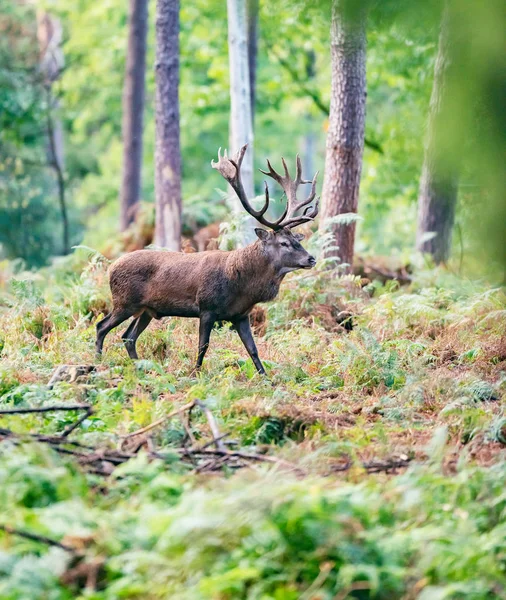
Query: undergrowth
x=357, y=372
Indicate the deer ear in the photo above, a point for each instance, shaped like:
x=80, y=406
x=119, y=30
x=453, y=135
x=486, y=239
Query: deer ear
x=262, y=234
x=299, y=236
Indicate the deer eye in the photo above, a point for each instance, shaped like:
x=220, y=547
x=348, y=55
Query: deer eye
x=285, y=244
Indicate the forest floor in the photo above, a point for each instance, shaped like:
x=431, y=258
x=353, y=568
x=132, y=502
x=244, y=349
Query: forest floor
x=370, y=463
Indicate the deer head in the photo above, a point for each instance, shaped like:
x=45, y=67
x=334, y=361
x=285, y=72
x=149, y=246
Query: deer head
x=281, y=245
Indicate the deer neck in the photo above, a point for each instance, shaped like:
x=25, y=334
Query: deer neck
x=253, y=272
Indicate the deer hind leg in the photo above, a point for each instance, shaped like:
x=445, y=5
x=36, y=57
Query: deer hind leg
x=112, y=320
x=136, y=327
x=243, y=328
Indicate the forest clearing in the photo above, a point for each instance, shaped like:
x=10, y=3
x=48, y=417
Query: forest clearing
x=345, y=436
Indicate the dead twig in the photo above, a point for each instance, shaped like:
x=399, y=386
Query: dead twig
x=34, y=537
x=68, y=430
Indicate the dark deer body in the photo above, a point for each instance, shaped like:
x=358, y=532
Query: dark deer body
x=213, y=286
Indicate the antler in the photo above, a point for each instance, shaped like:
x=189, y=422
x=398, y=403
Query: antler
x=231, y=171
x=290, y=187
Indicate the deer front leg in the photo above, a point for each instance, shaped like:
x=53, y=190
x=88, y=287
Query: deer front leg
x=243, y=328
x=207, y=321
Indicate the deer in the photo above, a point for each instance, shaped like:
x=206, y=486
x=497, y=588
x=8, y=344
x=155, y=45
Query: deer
x=216, y=285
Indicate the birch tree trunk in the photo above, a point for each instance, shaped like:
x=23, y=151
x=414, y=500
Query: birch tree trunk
x=437, y=199
x=345, y=136
x=241, y=126
x=167, y=150
x=252, y=7
x=133, y=111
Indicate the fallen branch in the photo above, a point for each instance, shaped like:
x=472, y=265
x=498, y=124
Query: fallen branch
x=34, y=537
x=203, y=458
x=188, y=406
x=254, y=457
x=217, y=437
x=373, y=467
x=44, y=409
x=88, y=410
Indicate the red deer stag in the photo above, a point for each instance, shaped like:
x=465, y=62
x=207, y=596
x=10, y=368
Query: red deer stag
x=213, y=285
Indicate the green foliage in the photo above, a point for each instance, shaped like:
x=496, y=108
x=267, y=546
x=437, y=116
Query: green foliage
x=28, y=205
x=289, y=106
x=420, y=376
x=334, y=395
x=292, y=539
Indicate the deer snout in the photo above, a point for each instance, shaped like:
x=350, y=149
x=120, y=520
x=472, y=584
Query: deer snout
x=310, y=262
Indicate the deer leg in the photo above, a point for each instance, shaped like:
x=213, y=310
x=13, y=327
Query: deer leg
x=206, y=324
x=136, y=327
x=243, y=328
x=111, y=321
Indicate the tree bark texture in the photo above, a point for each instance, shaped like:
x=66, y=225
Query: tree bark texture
x=241, y=125
x=437, y=198
x=345, y=136
x=252, y=7
x=133, y=111
x=167, y=150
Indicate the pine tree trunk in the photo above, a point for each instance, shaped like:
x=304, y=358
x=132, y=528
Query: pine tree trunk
x=167, y=151
x=241, y=126
x=437, y=199
x=133, y=111
x=345, y=136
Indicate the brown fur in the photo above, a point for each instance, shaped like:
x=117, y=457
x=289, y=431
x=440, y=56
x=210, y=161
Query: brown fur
x=213, y=285
x=179, y=284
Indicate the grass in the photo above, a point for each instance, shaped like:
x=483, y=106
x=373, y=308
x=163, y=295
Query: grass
x=421, y=376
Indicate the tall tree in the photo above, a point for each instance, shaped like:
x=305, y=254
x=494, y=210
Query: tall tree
x=437, y=198
x=133, y=110
x=167, y=150
x=252, y=8
x=241, y=124
x=50, y=37
x=345, y=136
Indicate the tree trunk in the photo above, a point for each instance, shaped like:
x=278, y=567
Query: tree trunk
x=252, y=7
x=167, y=151
x=309, y=141
x=133, y=111
x=439, y=181
x=345, y=136
x=241, y=127
x=54, y=154
x=50, y=38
